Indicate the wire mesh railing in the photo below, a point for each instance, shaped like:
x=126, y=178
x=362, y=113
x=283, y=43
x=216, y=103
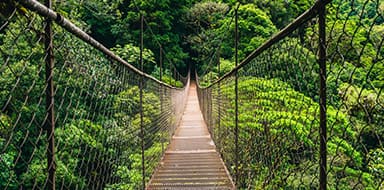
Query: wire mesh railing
x=310, y=103
x=73, y=114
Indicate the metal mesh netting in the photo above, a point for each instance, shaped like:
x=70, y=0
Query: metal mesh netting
x=102, y=126
x=269, y=138
x=275, y=142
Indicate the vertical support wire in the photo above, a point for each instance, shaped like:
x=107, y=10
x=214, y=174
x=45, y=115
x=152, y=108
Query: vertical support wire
x=142, y=132
x=323, y=98
x=211, y=121
x=236, y=98
x=50, y=108
x=161, y=92
x=219, y=137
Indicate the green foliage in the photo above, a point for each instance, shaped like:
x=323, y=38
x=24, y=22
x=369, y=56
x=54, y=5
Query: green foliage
x=253, y=20
x=109, y=21
x=131, y=54
x=21, y=67
x=343, y=177
x=37, y=174
x=282, y=12
x=81, y=133
x=163, y=19
x=204, y=20
x=166, y=77
x=128, y=102
x=357, y=27
x=7, y=159
x=99, y=16
x=172, y=81
x=5, y=126
x=214, y=74
x=126, y=133
x=357, y=101
x=7, y=176
x=352, y=49
x=216, y=33
x=132, y=178
x=225, y=66
x=255, y=27
x=285, y=121
x=77, y=136
x=376, y=162
x=205, y=15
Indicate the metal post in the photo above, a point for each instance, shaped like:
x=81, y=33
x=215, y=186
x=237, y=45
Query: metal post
x=50, y=94
x=209, y=115
x=161, y=93
x=236, y=99
x=141, y=102
x=323, y=98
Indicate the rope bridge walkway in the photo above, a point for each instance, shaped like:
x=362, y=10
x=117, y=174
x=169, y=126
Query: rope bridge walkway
x=191, y=161
x=305, y=110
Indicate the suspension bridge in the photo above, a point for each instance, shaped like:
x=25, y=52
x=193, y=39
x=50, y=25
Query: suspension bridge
x=303, y=111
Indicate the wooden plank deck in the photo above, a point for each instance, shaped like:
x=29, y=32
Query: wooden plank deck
x=191, y=160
